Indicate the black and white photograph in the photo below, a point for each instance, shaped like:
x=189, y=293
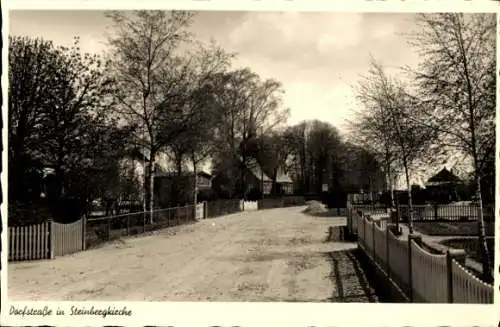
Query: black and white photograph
x=251, y=156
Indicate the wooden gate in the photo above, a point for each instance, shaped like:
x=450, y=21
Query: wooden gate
x=29, y=242
x=68, y=238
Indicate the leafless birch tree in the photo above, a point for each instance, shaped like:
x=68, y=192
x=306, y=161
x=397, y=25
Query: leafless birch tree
x=457, y=78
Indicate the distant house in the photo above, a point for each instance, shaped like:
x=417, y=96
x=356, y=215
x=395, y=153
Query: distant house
x=285, y=182
x=172, y=188
x=444, y=186
x=256, y=178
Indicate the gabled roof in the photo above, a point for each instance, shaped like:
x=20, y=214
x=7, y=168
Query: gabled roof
x=255, y=169
x=443, y=176
x=283, y=178
x=185, y=173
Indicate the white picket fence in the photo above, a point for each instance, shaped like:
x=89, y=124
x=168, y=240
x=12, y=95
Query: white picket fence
x=249, y=205
x=422, y=276
x=445, y=212
x=200, y=210
x=46, y=240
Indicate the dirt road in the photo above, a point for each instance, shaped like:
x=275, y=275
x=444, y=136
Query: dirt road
x=268, y=255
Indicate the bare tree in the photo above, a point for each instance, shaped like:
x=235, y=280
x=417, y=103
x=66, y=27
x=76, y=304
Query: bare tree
x=147, y=74
x=412, y=140
x=248, y=106
x=201, y=110
x=371, y=129
x=457, y=79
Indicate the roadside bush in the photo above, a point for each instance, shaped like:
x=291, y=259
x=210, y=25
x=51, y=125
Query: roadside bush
x=254, y=194
x=206, y=195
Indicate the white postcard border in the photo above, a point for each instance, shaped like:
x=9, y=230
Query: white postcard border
x=247, y=314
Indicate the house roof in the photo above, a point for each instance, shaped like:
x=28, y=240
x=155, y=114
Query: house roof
x=185, y=173
x=283, y=178
x=443, y=176
x=255, y=169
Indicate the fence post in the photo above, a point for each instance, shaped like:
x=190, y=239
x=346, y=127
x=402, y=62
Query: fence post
x=51, y=238
x=128, y=224
x=205, y=209
x=349, y=221
x=418, y=240
x=363, y=219
x=435, y=211
x=109, y=228
x=459, y=255
x=84, y=232
x=373, y=240
x=387, y=252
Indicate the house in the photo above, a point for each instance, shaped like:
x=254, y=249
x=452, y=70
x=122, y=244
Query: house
x=255, y=178
x=443, y=186
x=171, y=188
x=284, y=182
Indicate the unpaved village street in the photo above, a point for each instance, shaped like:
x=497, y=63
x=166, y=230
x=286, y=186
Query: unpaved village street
x=265, y=255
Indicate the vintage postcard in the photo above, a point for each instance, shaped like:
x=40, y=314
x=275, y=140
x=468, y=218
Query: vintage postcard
x=250, y=163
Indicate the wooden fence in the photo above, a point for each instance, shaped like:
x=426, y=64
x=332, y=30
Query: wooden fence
x=250, y=205
x=420, y=275
x=68, y=238
x=104, y=229
x=422, y=213
x=222, y=207
x=51, y=239
x=46, y=240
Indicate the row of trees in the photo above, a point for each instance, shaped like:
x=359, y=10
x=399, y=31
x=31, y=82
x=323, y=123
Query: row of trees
x=313, y=154
x=446, y=107
x=158, y=90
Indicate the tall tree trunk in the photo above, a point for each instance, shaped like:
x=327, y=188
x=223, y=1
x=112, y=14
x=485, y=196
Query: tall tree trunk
x=410, y=201
x=178, y=164
x=275, y=183
x=486, y=265
x=242, y=185
x=370, y=188
x=149, y=186
x=152, y=192
x=390, y=187
x=17, y=167
x=482, y=233
x=195, y=188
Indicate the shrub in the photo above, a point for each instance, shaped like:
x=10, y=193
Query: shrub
x=206, y=195
x=254, y=194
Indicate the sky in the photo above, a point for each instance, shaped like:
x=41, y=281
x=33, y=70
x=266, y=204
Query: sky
x=318, y=57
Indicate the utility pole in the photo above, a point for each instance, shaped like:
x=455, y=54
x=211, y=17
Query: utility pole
x=145, y=177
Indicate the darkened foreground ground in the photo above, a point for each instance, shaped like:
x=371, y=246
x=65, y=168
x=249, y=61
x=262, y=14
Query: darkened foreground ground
x=265, y=255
